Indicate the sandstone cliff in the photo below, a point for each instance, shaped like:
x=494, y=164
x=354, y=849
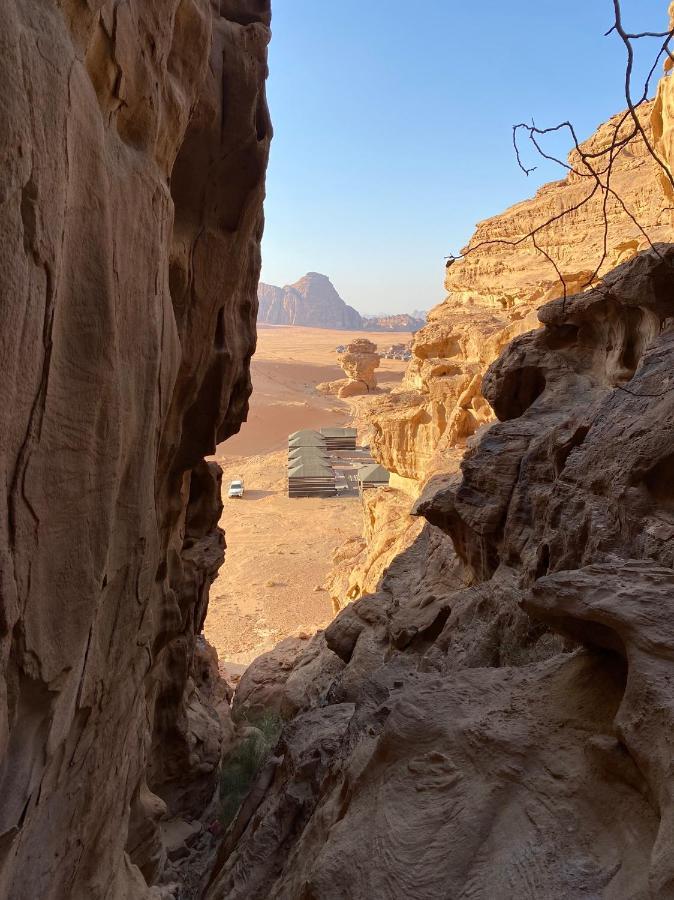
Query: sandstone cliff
x=134, y=138
x=493, y=295
x=494, y=720
x=495, y=290
x=311, y=301
x=314, y=302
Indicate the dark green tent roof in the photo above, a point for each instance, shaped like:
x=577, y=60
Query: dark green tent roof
x=373, y=474
x=306, y=438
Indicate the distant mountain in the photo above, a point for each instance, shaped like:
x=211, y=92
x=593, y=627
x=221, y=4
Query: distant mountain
x=400, y=322
x=311, y=301
x=314, y=302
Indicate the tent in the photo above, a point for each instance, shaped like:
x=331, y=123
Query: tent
x=308, y=453
x=372, y=476
x=306, y=438
x=310, y=474
x=339, y=438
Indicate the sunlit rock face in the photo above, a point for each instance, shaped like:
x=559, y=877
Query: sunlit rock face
x=493, y=297
x=311, y=301
x=134, y=138
x=499, y=721
x=496, y=289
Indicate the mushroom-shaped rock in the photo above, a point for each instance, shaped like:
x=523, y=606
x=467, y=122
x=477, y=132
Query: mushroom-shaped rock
x=359, y=361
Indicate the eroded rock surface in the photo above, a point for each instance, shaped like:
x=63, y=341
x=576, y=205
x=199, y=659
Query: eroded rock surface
x=493, y=294
x=134, y=139
x=440, y=410
x=359, y=359
x=484, y=756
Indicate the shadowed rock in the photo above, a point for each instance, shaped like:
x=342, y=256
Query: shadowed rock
x=134, y=139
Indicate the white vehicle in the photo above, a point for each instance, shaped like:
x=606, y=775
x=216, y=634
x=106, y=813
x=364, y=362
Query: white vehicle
x=235, y=488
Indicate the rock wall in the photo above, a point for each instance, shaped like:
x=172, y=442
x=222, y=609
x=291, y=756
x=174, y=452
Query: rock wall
x=496, y=289
x=498, y=724
x=311, y=301
x=134, y=138
x=494, y=293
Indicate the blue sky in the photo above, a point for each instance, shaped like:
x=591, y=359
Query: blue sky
x=393, y=127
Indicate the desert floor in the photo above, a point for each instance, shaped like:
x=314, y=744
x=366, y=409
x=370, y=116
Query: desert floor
x=279, y=550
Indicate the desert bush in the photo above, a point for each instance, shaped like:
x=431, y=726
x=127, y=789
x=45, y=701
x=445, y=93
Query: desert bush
x=242, y=765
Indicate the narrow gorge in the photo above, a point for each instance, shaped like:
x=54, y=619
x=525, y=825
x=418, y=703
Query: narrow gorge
x=488, y=714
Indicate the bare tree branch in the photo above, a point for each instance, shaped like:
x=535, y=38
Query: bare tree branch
x=589, y=163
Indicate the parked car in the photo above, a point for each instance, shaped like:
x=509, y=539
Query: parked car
x=235, y=488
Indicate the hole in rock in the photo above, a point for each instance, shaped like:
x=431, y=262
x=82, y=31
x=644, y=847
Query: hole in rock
x=659, y=480
x=518, y=390
x=561, y=336
x=543, y=564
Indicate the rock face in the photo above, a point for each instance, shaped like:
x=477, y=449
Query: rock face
x=134, y=143
x=494, y=292
x=311, y=301
x=359, y=361
x=493, y=295
x=500, y=725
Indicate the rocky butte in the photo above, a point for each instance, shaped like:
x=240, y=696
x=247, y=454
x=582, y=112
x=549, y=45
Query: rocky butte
x=313, y=301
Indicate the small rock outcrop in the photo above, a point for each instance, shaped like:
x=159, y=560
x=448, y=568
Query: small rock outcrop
x=134, y=138
x=313, y=301
x=359, y=360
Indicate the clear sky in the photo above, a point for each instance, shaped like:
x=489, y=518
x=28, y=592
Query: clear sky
x=393, y=127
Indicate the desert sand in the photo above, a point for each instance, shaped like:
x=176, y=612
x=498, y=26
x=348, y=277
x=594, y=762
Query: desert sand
x=279, y=550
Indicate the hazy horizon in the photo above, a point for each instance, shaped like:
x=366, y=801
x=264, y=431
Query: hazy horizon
x=393, y=137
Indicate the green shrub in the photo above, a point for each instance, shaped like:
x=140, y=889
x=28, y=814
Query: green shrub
x=242, y=765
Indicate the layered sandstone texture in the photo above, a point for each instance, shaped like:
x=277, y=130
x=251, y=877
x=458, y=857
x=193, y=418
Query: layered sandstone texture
x=360, y=361
x=311, y=301
x=495, y=719
x=134, y=138
x=427, y=424
x=494, y=291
